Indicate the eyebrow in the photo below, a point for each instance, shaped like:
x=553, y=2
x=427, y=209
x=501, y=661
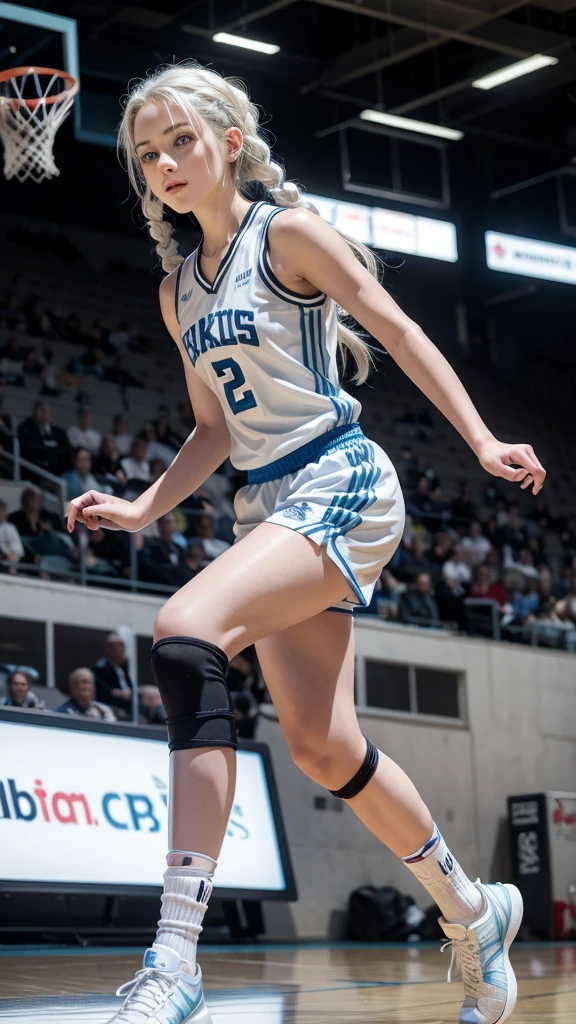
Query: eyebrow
x=170, y=128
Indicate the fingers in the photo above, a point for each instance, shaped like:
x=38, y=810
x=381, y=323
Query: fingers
x=523, y=455
x=77, y=505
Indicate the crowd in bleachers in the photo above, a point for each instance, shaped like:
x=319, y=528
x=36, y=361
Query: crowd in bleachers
x=106, y=693
x=479, y=545
x=476, y=544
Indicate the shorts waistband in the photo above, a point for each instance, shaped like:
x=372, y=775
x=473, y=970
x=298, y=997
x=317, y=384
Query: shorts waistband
x=309, y=452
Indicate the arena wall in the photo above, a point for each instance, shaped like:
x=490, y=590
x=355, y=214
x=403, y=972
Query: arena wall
x=517, y=734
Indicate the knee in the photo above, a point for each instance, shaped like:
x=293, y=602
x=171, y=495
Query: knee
x=327, y=762
x=175, y=619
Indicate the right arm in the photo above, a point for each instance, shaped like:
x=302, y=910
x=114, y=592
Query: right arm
x=204, y=450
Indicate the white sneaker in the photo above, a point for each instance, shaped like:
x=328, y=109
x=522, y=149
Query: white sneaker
x=162, y=993
x=480, y=956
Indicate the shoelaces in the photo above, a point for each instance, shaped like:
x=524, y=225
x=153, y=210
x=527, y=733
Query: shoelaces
x=147, y=990
x=466, y=957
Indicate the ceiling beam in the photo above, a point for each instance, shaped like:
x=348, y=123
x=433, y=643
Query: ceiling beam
x=429, y=28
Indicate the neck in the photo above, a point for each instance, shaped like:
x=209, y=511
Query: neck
x=219, y=218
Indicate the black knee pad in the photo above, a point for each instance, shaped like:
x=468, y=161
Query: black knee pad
x=190, y=678
x=363, y=775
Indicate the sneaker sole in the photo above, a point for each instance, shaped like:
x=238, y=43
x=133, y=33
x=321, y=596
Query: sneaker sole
x=200, y=1016
x=515, y=922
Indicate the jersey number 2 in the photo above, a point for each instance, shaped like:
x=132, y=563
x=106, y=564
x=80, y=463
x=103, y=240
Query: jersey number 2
x=237, y=380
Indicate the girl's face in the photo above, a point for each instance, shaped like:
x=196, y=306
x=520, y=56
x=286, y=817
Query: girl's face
x=170, y=150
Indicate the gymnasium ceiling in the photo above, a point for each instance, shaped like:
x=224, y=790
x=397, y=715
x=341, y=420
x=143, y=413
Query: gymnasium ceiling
x=412, y=57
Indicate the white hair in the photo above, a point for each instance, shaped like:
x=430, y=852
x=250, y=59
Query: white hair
x=224, y=103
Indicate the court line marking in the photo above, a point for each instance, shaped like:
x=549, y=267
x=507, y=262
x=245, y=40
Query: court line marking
x=280, y=947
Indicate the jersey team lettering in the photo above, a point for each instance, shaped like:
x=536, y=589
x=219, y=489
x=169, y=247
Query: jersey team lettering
x=219, y=328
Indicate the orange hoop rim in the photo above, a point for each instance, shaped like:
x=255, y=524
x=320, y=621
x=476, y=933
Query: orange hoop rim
x=71, y=84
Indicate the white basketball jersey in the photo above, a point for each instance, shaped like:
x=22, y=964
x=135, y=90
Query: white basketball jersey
x=266, y=351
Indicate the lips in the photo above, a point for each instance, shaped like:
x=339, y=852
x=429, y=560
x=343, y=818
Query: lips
x=173, y=184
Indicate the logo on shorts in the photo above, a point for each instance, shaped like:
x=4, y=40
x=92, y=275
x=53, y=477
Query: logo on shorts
x=298, y=511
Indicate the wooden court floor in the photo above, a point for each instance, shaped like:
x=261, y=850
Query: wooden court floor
x=283, y=984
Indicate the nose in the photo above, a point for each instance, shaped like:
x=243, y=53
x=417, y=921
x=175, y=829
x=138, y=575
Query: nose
x=166, y=164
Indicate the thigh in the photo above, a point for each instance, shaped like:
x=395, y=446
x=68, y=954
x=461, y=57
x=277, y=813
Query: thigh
x=268, y=581
x=309, y=671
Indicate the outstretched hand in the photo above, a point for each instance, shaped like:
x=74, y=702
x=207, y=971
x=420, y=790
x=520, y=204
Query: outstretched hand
x=514, y=462
x=97, y=510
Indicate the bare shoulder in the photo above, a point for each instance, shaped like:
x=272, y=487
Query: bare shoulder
x=296, y=223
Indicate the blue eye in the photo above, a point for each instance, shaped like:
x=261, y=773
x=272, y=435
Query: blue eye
x=180, y=137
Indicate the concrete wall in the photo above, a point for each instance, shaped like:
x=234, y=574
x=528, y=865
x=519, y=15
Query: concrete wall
x=518, y=736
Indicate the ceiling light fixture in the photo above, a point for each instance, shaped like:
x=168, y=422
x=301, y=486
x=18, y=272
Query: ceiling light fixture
x=247, y=44
x=408, y=124
x=521, y=67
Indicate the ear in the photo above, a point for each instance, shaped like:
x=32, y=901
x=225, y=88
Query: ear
x=234, y=140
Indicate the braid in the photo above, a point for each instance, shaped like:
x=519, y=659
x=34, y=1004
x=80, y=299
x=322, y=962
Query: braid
x=161, y=231
x=202, y=94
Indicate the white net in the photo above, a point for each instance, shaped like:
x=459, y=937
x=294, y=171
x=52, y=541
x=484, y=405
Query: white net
x=27, y=129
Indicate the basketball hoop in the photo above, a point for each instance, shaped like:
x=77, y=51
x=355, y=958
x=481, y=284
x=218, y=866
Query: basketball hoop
x=28, y=125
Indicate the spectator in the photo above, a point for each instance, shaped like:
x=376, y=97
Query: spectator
x=195, y=558
x=81, y=703
x=31, y=519
x=420, y=504
x=121, y=435
x=107, y=468
x=204, y=530
x=113, y=683
x=162, y=560
x=11, y=547
x=483, y=586
x=456, y=568
x=19, y=693
x=524, y=564
x=80, y=478
x=463, y=508
x=157, y=449
x=71, y=330
x=151, y=709
x=107, y=553
x=136, y=466
x=450, y=594
x=566, y=606
x=42, y=443
x=439, y=509
x=440, y=552
x=89, y=364
x=165, y=433
x=82, y=435
x=417, y=605
x=118, y=374
x=120, y=337
x=475, y=546
x=514, y=534
x=6, y=428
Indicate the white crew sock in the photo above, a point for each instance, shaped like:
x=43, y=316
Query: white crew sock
x=440, y=873
x=186, y=894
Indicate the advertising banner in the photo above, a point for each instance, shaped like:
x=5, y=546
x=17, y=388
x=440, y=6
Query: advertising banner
x=85, y=807
x=389, y=229
x=528, y=257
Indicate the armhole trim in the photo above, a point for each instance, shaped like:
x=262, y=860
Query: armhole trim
x=269, y=277
x=177, y=290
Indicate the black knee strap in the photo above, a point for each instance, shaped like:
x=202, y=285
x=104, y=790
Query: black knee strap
x=363, y=775
x=190, y=678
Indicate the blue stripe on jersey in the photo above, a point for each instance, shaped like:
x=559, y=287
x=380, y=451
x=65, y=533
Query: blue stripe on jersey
x=343, y=513
x=308, y=342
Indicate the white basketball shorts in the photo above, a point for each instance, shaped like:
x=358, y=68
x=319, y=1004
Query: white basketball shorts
x=340, y=490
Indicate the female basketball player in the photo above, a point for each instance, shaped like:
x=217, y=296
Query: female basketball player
x=253, y=312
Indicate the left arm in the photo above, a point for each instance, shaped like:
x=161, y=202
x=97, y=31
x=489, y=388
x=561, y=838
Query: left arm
x=307, y=249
